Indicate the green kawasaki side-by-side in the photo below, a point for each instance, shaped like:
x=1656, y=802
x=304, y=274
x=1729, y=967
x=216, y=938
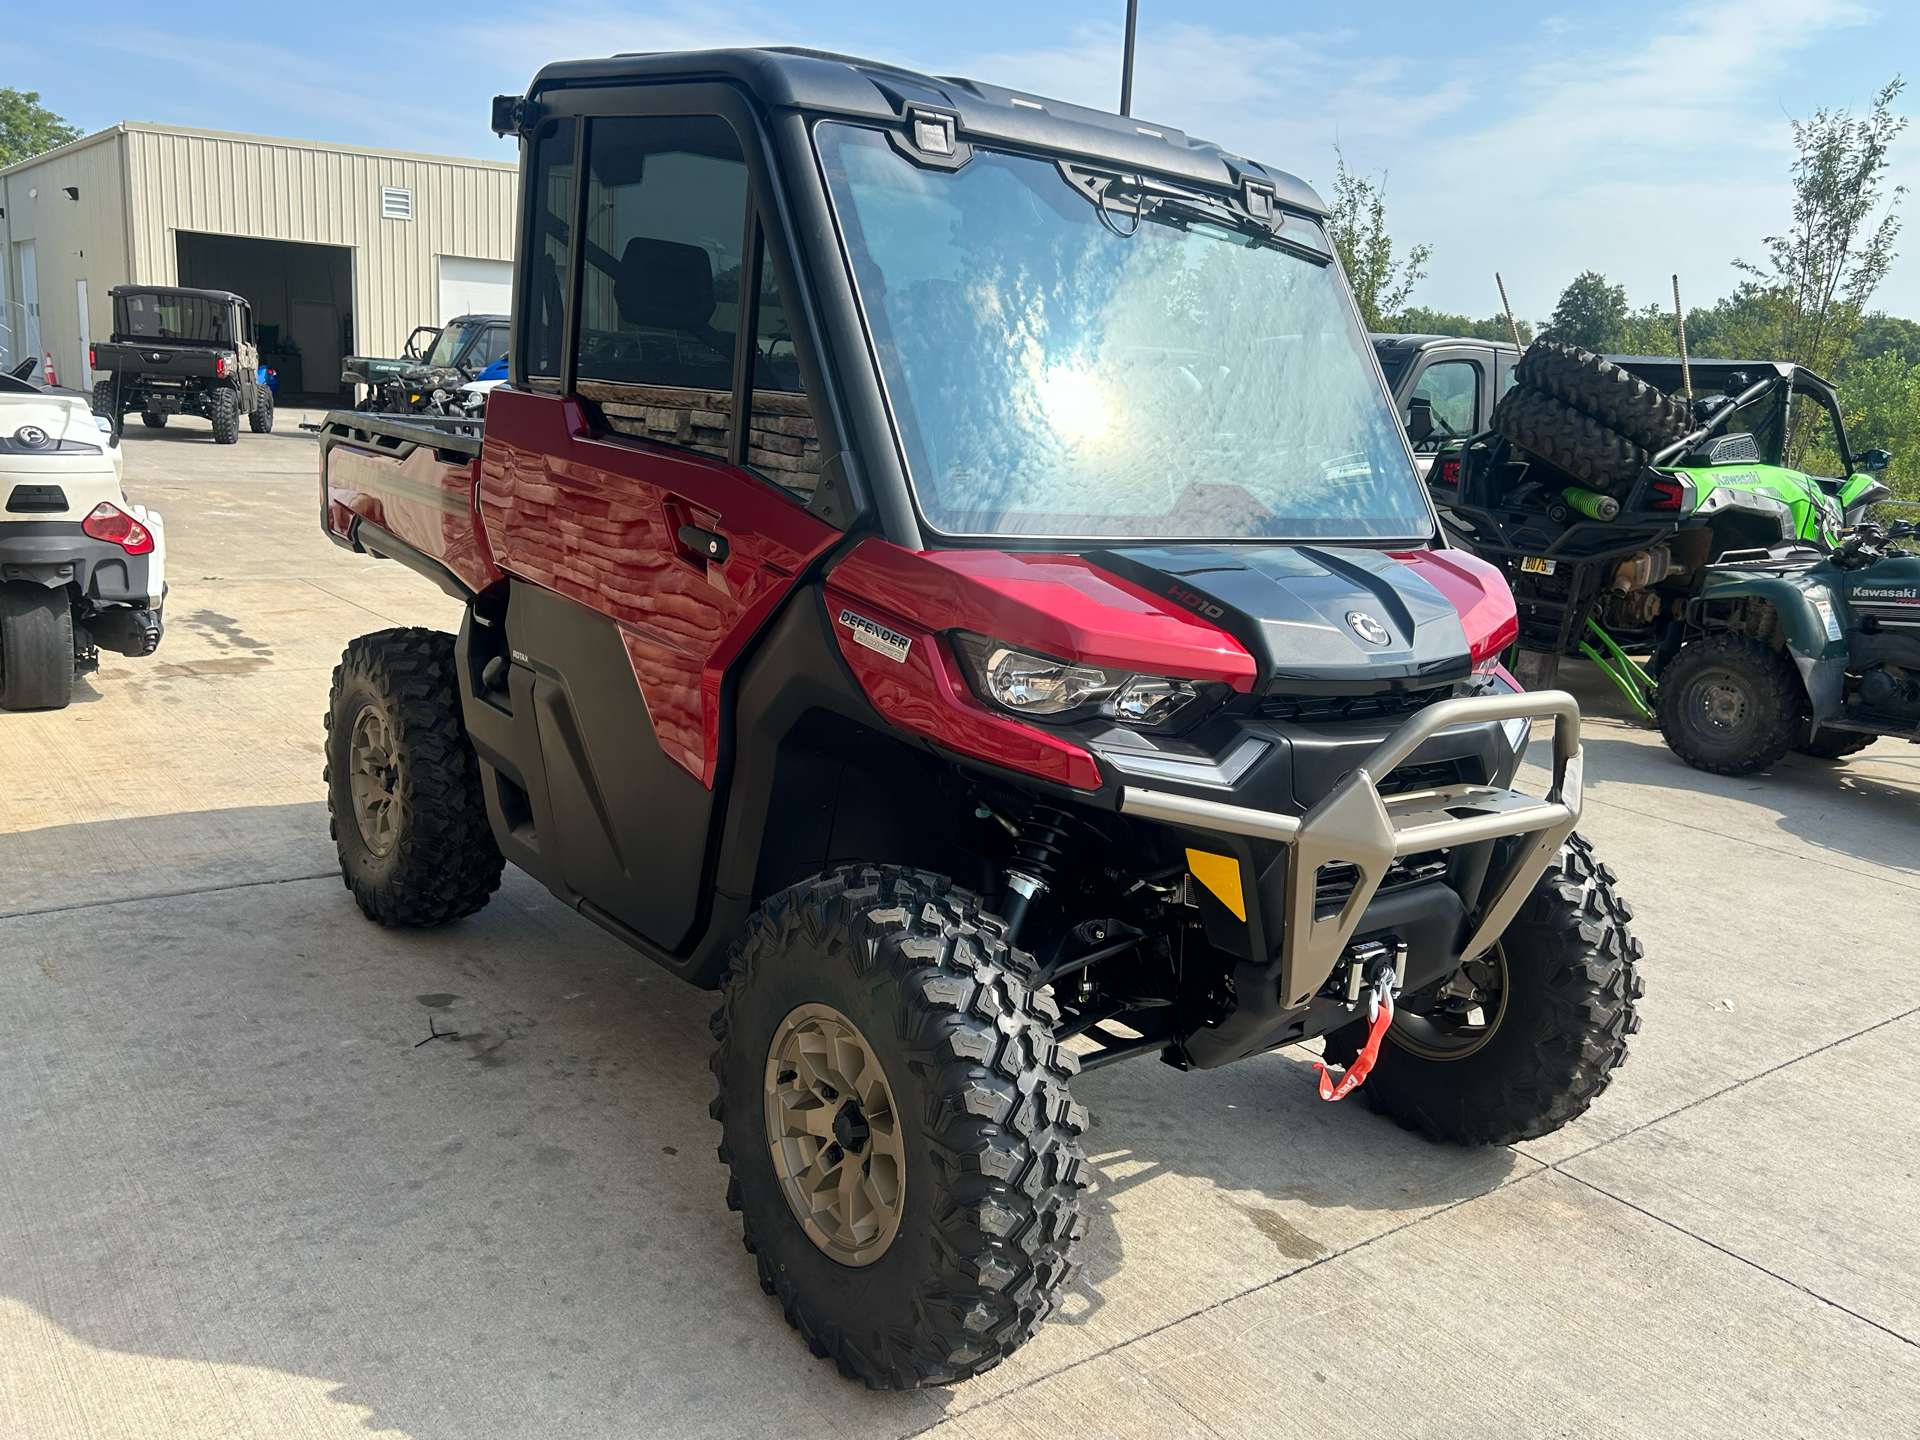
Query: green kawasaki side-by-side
x=1614, y=492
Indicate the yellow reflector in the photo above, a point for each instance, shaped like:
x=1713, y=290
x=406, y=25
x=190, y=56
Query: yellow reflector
x=1221, y=875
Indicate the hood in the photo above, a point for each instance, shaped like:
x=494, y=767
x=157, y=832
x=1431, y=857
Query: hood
x=1316, y=619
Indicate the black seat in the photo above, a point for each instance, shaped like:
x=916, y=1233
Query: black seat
x=664, y=285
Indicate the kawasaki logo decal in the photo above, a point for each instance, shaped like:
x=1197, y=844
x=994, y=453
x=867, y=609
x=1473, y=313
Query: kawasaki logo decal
x=1909, y=595
x=877, y=637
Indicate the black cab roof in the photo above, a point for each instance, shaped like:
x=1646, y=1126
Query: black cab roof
x=120, y=290
x=818, y=82
x=1386, y=340
x=1665, y=372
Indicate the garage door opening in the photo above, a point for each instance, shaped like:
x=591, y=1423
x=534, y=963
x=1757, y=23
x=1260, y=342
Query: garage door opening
x=302, y=298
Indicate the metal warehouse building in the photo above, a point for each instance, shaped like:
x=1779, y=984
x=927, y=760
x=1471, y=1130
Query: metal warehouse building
x=341, y=250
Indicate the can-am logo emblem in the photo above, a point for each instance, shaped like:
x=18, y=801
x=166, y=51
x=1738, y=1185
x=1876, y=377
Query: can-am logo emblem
x=31, y=437
x=876, y=637
x=1368, y=628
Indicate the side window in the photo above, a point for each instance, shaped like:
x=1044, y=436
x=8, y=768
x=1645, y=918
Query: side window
x=660, y=293
x=1451, y=387
x=1760, y=419
x=1814, y=449
x=491, y=345
x=543, y=306
x=783, y=443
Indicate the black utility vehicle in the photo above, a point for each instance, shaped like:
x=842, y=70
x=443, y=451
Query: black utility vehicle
x=182, y=352
x=1444, y=386
x=944, y=572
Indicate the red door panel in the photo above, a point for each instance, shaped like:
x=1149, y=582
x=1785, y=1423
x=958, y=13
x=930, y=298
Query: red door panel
x=597, y=518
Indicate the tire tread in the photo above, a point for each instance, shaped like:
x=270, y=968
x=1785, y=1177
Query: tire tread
x=447, y=864
x=1004, y=1131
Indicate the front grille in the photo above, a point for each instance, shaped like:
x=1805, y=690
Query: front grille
x=1331, y=709
x=1465, y=771
x=1335, y=882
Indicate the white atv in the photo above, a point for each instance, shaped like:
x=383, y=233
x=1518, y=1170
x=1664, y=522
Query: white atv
x=82, y=569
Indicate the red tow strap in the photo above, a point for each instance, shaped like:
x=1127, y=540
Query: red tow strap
x=1380, y=1003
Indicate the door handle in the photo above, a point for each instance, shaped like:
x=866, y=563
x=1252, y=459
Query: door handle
x=707, y=544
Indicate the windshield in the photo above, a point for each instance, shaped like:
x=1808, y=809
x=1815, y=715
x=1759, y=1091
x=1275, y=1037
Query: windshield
x=1051, y=374
x=448, y=344
x=190, y=318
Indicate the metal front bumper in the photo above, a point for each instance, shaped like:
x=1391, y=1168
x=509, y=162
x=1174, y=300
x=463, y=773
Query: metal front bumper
x=1356, y=824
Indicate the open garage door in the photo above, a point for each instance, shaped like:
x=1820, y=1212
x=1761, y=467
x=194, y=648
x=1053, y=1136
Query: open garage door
x=474, y=287
x=302, y=298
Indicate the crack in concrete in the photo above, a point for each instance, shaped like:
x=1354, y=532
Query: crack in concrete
x=165, y=895
x=1680, y=1229
x=1667, y=1115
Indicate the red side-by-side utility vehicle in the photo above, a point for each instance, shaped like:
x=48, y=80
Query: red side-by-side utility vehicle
x=946, y=572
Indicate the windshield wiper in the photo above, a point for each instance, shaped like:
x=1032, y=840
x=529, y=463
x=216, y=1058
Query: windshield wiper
x=1140, y=199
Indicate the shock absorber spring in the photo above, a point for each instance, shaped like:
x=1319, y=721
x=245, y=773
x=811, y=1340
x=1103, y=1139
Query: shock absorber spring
x=1036, y=854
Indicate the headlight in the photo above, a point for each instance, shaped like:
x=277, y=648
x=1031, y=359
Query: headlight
x=1040, y=685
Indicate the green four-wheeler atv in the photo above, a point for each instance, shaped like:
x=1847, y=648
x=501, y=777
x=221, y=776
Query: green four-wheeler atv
x=1604, y=492
x=1796, y=647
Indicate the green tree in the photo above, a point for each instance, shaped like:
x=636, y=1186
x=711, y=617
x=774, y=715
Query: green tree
x=1818, y=277
x=1358, y=221
x=1884, y=335
x=1418, y=320
x=1591, y=313
x=1880, y=403
x=27, y=127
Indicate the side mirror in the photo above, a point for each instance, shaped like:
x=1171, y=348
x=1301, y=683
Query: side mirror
x=1874, y=460
x=1419, y=419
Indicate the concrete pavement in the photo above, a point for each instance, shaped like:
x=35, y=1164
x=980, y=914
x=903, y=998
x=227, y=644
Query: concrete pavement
x=242, y=1192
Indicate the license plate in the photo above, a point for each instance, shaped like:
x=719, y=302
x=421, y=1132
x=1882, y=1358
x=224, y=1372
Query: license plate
x=1536, y=565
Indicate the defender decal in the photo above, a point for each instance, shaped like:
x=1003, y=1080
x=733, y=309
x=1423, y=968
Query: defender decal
x=877, y=637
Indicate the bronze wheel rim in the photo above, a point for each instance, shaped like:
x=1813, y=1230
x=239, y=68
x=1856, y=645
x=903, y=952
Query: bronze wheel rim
x=1465, y=1016
x=373, y=776
x=834, y=1135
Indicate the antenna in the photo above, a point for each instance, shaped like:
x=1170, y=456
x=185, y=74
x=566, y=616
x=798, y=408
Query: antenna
x=1126, y=62
x=1680, y=320
x=1508, y=307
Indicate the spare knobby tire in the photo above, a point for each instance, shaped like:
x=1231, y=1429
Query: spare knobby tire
x=1601, y=459
x=1618, y=399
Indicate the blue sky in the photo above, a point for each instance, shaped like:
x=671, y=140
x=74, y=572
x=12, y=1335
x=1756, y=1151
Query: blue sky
x=1632, y=137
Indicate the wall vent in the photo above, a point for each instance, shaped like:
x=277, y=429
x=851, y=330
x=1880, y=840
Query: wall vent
x=396, y=203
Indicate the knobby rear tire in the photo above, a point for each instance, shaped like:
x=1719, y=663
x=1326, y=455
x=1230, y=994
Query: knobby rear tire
x=1835, y=744
x=223, y=409
x=1601, y=459
x=1644, y=414
x=443, y=863
x=990, y=1220
x=1773, y=695
x=1572, y=980
x=260, y=421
